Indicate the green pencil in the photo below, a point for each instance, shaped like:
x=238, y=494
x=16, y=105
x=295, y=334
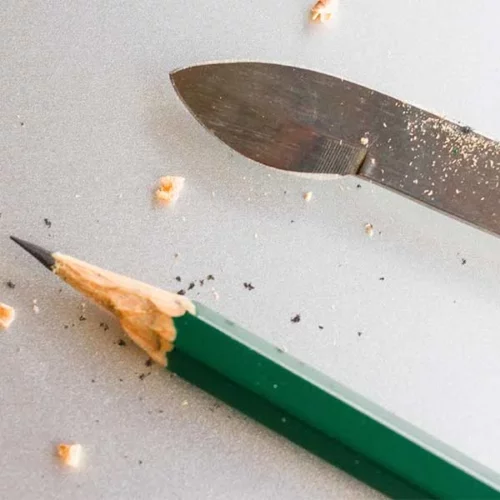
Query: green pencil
x=277, y=390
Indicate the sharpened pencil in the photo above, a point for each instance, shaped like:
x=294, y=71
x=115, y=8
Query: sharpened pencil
x=278, y=390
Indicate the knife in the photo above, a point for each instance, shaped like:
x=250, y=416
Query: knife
x=307, y=122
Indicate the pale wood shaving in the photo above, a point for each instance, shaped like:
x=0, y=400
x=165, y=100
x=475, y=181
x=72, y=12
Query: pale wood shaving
x=7, y=316
x=70, y=454
x=169, y=189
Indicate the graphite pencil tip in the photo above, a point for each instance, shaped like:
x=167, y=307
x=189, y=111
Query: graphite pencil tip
x=42, y=255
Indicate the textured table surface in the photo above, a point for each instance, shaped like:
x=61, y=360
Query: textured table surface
x=89, y=121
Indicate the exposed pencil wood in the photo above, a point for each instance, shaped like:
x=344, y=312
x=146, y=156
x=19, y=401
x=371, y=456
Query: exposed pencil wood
x=144, y=312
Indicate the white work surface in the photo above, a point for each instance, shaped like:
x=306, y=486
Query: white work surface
x=89, y=122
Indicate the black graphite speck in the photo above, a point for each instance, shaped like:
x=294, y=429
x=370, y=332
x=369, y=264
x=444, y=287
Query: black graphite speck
x=466, y=129
x=248, y=286
x=104, y=326
x=202, y=282
x=295, y=319
x=358, y=186
x=464, y=261
x=210, y=277
x=93, y=380
x=321, y=327
x=139, y=462
x=121, y=343
x=381, y=279
x=149, y=362
x=191, y=285
x=142, y=376
x=215, y=406
x=177, y=278
x=181, y=292
x=66, y=327
x=10, y=284
x=82, y=318
x=360, y=333
x=48, y=223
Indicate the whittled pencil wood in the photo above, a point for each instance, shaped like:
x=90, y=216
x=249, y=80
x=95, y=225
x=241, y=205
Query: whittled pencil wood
x=144, y=312
x=277, y=390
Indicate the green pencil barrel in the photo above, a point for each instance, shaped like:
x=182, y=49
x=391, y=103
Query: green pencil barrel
x=321, y=415
x=288, y=426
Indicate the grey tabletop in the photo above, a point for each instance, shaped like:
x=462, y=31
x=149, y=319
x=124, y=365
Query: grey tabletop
x=89, y=122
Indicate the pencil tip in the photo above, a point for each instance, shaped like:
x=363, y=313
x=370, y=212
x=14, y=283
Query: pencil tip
x=42, y=255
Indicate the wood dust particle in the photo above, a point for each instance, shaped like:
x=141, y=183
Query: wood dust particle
x=7, y=316
x=364, y=141
x=322, y=11
x=308, y=196
x=369, y=230
x=70, y=454
x=169, y=189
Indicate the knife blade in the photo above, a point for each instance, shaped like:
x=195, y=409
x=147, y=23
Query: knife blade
x=307, y=122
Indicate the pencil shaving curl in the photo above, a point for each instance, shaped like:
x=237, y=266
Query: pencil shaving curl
x=144, y=312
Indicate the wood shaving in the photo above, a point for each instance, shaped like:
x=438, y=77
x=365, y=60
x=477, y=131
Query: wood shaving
x=322, y=11
x=369, y=230
x=364, y=141
x=308, y=196
x=7, y=316
x=169, y=189
x=70, y=454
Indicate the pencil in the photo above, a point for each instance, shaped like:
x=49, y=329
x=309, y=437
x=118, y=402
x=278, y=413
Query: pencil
x=278, y=390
